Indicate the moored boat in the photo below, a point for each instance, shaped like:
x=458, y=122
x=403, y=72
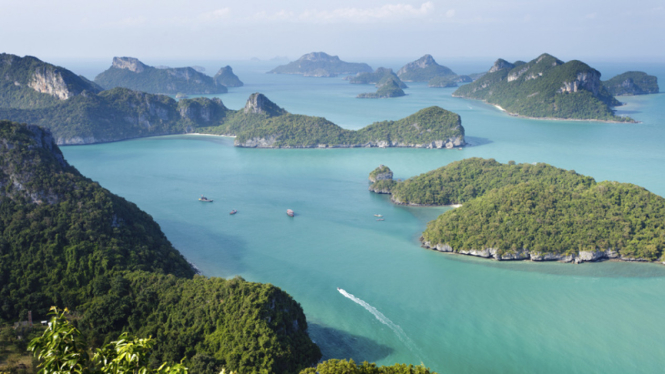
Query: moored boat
x=380, y=219
x=378, y=215
x=290, y=213
x=233, y=212
x=205, y=199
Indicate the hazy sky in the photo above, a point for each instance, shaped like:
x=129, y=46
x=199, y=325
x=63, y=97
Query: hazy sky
x=354, y=30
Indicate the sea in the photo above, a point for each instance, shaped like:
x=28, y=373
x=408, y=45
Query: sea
x=370, y=292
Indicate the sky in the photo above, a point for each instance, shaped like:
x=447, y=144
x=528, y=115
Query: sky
x=354, y=30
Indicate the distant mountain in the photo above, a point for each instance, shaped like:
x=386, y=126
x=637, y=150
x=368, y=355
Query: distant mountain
x=545, y=87
x=27, y=82
x=422, y=70
x=320, y=64
x=131, y=73
x=381, y=75
x=225, y=77
x=632, y=83
x=387, y=88
x=448, y=81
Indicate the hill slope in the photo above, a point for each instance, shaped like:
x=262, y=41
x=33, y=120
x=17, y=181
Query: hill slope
x=129, y=72
x=28, y=82
x=545, y=88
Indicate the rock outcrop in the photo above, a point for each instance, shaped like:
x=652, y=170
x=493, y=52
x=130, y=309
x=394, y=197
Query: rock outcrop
x=381, y=173
x=422, y=70
x=225, y=77
x=130, y=63
x=258, y=103
x=501, y=64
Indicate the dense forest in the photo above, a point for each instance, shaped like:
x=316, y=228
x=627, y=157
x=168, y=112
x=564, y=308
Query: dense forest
x=67, y=241
x=632, y=83
x=545, y=87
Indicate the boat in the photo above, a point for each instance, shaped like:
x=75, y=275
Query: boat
x=233, y=211
x=337, y=288
x=205, y=199
x=378, y=215
x=380, y=219
x=290, y=213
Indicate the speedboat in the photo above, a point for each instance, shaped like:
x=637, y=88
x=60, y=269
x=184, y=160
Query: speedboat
x=205, y=199
x=233, y=211
x=290, y=213
x=378, y=215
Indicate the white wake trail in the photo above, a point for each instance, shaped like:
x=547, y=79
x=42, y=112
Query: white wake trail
x=383, y=319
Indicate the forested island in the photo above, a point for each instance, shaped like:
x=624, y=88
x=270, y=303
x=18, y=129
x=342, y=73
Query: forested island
x=378, y=77
x=225, y=77
x=129, y=72
x=632, y=83
x=68, y=241
x=263, y=124
x=547, y=88
x=386, y=89
x=320, y=64
x=537, y=212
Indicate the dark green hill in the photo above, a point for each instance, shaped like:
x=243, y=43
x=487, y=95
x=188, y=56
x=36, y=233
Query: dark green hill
x=422, y=70
x=129, y=72
x=380, y=76
x=262, y=124
x=448, y=81
x=386, y=89
x=632, y=83
x=225, y=77
x=28, y=82
x=67, y=241
x=545, y=88
x=320, y=64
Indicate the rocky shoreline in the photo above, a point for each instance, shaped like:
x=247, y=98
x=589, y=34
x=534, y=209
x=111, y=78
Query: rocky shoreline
x=525, y=255
x=269, y=143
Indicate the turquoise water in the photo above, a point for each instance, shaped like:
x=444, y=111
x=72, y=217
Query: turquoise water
x=453, y=313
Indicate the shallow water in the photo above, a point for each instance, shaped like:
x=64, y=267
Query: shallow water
x=453, y=313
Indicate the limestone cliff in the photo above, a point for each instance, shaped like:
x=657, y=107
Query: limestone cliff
x=225, y=77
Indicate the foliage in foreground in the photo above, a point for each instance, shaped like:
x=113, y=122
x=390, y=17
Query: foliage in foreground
x=335, y=366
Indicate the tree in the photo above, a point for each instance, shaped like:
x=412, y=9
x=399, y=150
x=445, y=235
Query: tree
x=61, y=350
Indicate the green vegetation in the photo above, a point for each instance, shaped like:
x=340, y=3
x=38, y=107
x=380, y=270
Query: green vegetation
x=378, y=77
x=389, y=88
x=14, y=355
x=21, y=74
x=422, y=70
x=632, y=83
x=448, y=81
x=61, y=350
x=225, y=77
x=545, y=88
x=334, y=366
x=462, y=181
x=319, y=64
x=381, y=173
x=546, y=218
x=67, y=241
x=255, y=127
x=130, y=73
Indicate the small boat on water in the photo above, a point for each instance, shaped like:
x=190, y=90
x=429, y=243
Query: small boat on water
x=233, y=212
x=378, y=215
x=290, y=213
x=380, y=219
x=205, y=199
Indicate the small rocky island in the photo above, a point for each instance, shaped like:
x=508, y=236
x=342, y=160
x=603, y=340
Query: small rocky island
x=448, y=81
x=225, y=77
x=129, y=72
x=320, y=64
x=532, y=212
x=386, y=89
x=545, y=88
x=632, y=83
x=380, y=76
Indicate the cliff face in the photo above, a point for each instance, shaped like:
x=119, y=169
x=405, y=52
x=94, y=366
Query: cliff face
x=258, y=103
x=225, y=77
x=129, y=63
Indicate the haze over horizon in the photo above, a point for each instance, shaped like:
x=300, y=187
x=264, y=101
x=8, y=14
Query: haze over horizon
x=353, y=30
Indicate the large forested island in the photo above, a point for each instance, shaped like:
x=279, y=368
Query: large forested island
x=538, y=212
x=545, y=87
x=129, y=72
x=263, y=124
x=67, y=241
x=320, y=64
x=632, y=83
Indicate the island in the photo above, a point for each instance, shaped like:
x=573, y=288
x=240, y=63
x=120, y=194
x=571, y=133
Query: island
x=263, y=124
x=129, y=72
x=448, y=81
x=320, y=64
x=632, y=83
x=386, y=89
x=28, y=82
x=379, y=76
x=225, y=77
x=68, y=240
x=545, y=88
x=532, y=212
x=422, y=70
